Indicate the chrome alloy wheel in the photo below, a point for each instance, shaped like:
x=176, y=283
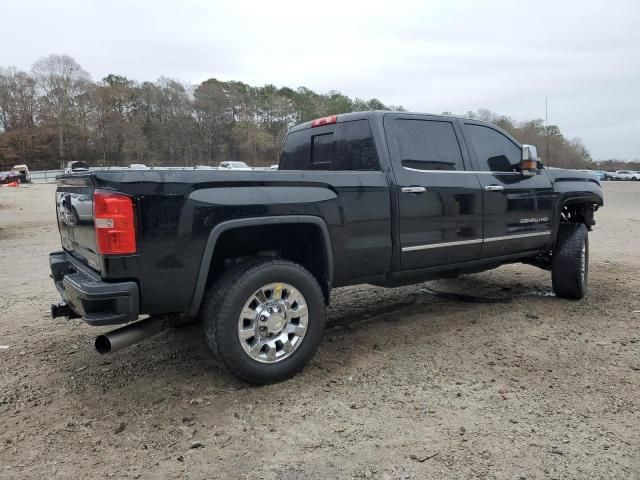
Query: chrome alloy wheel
x=583, y=262
x=273, y=323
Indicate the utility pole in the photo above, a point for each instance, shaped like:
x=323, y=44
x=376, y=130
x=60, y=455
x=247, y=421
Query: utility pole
x=546, y=126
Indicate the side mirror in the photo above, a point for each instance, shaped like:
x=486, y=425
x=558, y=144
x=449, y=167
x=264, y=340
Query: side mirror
x=529, y=165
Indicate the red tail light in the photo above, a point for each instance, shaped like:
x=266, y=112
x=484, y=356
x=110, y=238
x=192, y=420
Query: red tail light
x=324, y=121
x=115, y=228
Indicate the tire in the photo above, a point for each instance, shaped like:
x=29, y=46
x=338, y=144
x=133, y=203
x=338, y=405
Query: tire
x=235, y=294
x=570, y=261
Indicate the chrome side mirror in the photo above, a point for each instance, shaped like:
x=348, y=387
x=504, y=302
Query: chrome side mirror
x=530, y=159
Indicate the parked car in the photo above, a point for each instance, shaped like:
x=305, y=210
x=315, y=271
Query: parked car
x=599, y=175
x=612, y=176
x=138, y=166
x=9, y=178
x=386, y=198
x=234, y=166
x=23, y=172
x=76, y=166
x=628, y=175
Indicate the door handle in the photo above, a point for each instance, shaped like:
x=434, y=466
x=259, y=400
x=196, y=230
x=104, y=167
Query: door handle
x=494, y=188
x=413, y=189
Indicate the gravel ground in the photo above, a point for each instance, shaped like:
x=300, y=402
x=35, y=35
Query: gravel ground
x=407, y=383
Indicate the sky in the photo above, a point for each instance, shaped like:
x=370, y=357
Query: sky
x=429, y=56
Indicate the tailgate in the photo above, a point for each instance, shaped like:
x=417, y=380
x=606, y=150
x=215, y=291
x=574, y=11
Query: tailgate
x=74, y=207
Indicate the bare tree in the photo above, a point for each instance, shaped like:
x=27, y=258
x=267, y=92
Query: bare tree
x=213, y=110
x=17, y=99
x=61, y=81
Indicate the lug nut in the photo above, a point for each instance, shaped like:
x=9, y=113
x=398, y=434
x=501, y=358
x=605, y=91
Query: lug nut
x=263, y=318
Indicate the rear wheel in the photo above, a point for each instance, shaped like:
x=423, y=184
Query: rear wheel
x=264, y=319
x=570, y=261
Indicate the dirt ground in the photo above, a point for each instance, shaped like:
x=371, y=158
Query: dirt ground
x=407, y=383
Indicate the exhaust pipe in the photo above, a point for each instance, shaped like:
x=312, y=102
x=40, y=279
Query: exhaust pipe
x=130, y=334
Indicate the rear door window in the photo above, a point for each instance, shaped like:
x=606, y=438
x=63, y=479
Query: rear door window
x=355, y=149
x=425, y=144
x=495, y=152
x=343, y=146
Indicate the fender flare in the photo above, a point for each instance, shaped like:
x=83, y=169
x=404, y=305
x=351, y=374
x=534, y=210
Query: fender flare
x=219, y=229
x=567, y=198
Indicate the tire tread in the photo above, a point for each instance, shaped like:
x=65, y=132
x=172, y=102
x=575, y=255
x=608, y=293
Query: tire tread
x=215, y=310
x=565, y=268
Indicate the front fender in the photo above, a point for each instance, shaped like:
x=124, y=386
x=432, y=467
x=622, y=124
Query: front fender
x=575, y=191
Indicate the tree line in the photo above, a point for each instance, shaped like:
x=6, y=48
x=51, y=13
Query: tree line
x=55, y=113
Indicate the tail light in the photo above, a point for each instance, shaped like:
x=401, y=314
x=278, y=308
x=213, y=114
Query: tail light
x=115, y=227
x=324, y=121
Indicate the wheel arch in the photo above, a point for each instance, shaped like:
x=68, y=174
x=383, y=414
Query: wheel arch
x=220, y=229
x=582, y=204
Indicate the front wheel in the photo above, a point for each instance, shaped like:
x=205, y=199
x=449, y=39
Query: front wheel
x=264, y=319
x=570, y=261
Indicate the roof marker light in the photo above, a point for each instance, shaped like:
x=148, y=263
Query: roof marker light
x=318, y=122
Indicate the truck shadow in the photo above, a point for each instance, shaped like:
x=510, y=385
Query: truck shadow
x=363, y=304
x=179, y=358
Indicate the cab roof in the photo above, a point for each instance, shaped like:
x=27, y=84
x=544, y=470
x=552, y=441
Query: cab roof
x=348, y=117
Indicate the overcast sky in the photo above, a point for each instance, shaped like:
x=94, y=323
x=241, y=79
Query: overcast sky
x=429, y=56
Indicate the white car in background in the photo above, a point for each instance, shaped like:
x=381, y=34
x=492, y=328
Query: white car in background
x=234, y=166
x=23, y=171
x=628, y=175
x=76, y=166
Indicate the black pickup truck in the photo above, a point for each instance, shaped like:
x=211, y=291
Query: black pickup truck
x=372, y=197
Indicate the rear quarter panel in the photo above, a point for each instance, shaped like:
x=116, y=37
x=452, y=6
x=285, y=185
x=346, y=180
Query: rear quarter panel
x=177, y=211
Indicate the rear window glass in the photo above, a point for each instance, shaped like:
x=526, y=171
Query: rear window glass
x=343, y=146
x=426, y=144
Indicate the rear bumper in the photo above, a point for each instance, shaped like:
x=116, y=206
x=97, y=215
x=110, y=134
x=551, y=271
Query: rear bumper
x=96, y=301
